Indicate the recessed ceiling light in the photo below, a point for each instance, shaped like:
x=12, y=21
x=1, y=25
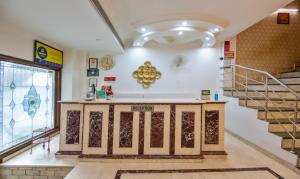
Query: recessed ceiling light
x=184, y=23
x=146, y=38
x=207, y=38
x=180, y=33
x=137, y=44
x=287, y=10
x=143, y=29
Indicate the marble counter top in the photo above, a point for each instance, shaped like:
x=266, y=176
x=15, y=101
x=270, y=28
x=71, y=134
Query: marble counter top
x=145, y=100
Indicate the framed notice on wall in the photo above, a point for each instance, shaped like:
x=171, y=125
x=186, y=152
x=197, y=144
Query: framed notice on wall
x=47, y=55
x=283, y=18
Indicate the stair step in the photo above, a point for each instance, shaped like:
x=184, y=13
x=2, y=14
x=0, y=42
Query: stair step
x=290, y=74
x=273, y=115
x=287, y=81
x=288, y=143
x=285, y=95
x=282, y=128
x=273, y=104
x=285, y=134
x=273, y=87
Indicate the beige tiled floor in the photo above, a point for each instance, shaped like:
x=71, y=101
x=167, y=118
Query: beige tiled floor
x=240, y=155
x=41, y=157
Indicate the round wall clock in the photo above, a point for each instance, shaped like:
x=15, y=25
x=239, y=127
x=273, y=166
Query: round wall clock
x=107, y=62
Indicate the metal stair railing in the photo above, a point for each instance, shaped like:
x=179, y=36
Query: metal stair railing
x=241, y=80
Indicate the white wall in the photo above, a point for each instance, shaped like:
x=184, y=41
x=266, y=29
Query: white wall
x=244, y=122
x=18, y=42
x=199, y=71
x=72, y=78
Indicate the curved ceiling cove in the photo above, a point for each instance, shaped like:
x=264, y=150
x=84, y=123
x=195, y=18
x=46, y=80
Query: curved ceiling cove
x=233, y=15
x=178, y=32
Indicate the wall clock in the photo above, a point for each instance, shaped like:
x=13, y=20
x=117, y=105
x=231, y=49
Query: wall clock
x=107, y=62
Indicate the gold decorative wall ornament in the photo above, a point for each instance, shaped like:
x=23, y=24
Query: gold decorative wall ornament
x=146, y=74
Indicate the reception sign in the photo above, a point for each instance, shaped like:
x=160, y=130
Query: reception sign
x=47, y=55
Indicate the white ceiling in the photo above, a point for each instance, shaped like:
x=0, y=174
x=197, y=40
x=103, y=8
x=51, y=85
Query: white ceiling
x=77, y=24
x=69, y=23
x=234, y=15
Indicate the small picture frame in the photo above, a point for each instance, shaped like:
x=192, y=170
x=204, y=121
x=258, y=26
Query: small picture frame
x=92, y=81
x=93, y=72
x=93, y=63
x=283, y=18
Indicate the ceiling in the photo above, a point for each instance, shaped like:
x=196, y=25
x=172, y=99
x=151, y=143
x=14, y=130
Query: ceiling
x=233, y=15
x=69, y=23
x=77, y=24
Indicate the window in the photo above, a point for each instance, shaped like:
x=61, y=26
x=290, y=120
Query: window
x=27, y=97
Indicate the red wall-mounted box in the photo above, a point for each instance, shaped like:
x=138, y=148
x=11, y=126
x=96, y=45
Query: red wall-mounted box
x=110, y=78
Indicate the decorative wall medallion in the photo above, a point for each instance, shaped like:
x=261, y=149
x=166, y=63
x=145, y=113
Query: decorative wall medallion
x=211, y=127
x=95, y=133
x=73, y=126
x=107, y=62
x=146, y=74
x=187, y=129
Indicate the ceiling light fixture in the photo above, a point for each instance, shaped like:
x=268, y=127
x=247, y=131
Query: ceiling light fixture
x=146, y=38
x=184, y=23
x=180, y=33
x=287, y=10
x=216, y=30
x=137, y=44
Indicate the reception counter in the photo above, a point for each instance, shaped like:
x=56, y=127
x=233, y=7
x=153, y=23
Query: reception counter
x=142, y=128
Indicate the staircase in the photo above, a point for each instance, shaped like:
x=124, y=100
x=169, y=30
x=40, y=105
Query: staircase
x=276, y=99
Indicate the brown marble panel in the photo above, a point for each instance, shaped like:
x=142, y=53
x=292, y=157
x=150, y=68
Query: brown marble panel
x=141, y=132
x=172, y=129
x=95, y=132
x=110, y=129
x=211, y=127
x=73, y=127
x=187, y=129
x=157, y=130
x=126, y=127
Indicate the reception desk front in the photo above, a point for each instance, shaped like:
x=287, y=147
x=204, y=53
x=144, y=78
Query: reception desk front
x=142, y=128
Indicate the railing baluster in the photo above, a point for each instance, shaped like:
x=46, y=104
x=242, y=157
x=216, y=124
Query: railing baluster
x=294, y=125
x=246, y=90
x=266, y=99
x=232, y=80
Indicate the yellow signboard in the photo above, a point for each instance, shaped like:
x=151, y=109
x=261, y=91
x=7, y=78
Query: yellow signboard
x=47, y=55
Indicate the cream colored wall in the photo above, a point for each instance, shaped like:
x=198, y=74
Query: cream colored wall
x=244, y=123
x=199, y=71
x=73, y=75
x=18, y=42
x=270, y=46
